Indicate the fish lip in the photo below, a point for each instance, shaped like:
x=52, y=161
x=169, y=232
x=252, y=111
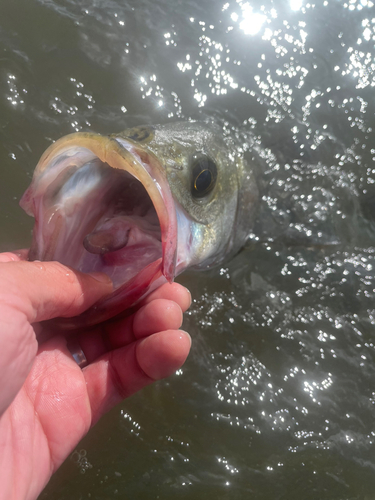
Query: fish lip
x=147, y=169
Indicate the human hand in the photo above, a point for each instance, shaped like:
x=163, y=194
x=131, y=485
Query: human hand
x=47, y=403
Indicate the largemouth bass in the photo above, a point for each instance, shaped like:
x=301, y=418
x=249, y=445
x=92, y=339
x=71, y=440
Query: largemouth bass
x=141, y=206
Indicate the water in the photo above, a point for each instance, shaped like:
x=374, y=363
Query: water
x=277, y=398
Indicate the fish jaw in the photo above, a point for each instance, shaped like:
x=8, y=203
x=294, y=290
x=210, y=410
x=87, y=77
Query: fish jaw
x=75, y=179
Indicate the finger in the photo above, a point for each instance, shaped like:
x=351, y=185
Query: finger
x=171, y=291
x=122, y=372
x=14, y=256
x=45, y=290
x=158, y=315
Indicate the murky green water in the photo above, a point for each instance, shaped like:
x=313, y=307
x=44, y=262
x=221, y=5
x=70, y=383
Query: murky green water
x=277, y=399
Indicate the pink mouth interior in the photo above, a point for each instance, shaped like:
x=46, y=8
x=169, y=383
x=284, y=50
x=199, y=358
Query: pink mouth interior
x=96, y=218
x=114, y=229
x=126, y=237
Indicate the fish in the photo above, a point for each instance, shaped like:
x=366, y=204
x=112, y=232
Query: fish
x=142, y=206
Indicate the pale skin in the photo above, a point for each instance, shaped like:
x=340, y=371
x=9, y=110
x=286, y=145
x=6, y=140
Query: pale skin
x=48, y=403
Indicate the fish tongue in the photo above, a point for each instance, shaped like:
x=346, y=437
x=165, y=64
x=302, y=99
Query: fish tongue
x=112, y=235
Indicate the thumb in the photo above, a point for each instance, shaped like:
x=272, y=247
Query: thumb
x=46, y=290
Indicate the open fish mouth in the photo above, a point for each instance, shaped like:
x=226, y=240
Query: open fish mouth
x=103, y=204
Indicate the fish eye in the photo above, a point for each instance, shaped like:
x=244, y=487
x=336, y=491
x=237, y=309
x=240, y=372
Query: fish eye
x=204, y=175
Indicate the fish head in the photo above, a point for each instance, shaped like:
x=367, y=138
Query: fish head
x=141, y=206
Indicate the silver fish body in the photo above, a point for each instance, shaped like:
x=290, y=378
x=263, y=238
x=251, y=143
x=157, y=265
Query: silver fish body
x=141, y=206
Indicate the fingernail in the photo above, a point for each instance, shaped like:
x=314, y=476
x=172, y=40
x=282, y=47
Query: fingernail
x=186, y=335
x=101, y=277
x=22, y=253
x=190, y=297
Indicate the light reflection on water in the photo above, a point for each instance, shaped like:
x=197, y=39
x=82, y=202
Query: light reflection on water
x=277, y=398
